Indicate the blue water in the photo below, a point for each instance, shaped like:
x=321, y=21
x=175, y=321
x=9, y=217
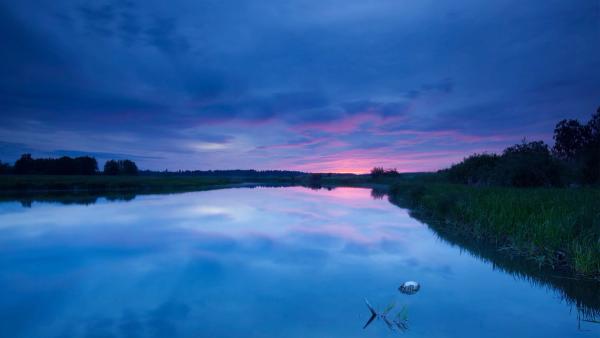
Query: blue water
x=265, y=262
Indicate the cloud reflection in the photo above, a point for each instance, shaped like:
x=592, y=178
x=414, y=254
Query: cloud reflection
x=226, y=263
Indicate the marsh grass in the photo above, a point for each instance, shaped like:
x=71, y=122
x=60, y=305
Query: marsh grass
x=549, y=226
x=35, y=183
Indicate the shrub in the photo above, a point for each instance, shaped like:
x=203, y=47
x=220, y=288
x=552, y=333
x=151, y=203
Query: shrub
x=379, y=172
x=475, y=169
x=579, y=146
x=528, y=164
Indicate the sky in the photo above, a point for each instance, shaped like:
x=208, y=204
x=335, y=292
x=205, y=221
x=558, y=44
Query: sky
x=328, y=85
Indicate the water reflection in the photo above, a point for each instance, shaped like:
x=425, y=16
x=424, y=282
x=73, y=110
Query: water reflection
x=393, y=322
x=90, y=197
x=265, y=262
x=67, y=198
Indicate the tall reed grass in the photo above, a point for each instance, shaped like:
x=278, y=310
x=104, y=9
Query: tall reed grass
x=551, y=226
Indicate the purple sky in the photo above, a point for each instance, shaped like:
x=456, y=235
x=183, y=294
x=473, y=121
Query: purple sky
x=330, y=85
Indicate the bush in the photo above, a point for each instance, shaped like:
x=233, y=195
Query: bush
x=528, y=164
x=578, y=145
x=475, y=169
x=111, y=168
x=379, y=172
x=575, y=157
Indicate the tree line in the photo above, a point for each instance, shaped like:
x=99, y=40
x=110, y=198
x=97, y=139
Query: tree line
x=65, y=165
x=574, y=159
x=227, y=173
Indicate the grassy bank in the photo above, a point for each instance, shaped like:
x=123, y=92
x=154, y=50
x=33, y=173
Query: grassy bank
x=10, y=184
x=549, y=226
x=24, y=183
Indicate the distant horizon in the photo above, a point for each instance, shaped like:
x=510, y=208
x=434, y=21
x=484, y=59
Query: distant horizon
x=102, y=162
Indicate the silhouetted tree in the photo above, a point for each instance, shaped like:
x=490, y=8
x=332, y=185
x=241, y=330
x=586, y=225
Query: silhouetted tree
x=377, y=172
x=87, y=165
x=570, y=137
x=528, y=164
x=63, y=166
x=392, y=172
x=475, y=169
x=580, y=145
x=127, y=167
x=25, y=165
x=111, y=167
x=594, y=124
x=5, y=168
x=120, y=167
x=591, y=152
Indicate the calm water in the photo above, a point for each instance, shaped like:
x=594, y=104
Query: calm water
x=266, y=262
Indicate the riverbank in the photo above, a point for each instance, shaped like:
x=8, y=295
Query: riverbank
x=550, y=227
x=11, y=184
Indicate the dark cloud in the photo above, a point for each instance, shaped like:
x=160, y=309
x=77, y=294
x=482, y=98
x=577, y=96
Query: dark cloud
x=324, y=78
x=99, y=19
x=162, y=320
x=285, y=105
x=48, y=99
x=386, y=109
x=100, y=155
x=12, y=151
x=163, y=35
x=445, y=86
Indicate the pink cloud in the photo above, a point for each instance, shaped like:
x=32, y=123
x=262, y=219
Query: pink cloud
x=421, y=136
x=347, y=124
x=360, y=161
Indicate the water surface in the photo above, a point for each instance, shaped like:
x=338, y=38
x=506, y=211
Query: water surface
x=265, y=262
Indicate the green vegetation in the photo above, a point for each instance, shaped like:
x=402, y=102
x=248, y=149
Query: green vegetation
x=483, y=198
x=379, y=173
x=21, y=183
x=550, y=226
x=574, y=159
x=522, y=165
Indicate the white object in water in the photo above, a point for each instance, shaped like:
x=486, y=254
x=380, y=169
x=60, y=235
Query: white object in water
x=410, y=287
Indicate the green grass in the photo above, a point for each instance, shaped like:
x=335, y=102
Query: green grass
x=105, y=183
x=550, y=226
x=37, y=183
